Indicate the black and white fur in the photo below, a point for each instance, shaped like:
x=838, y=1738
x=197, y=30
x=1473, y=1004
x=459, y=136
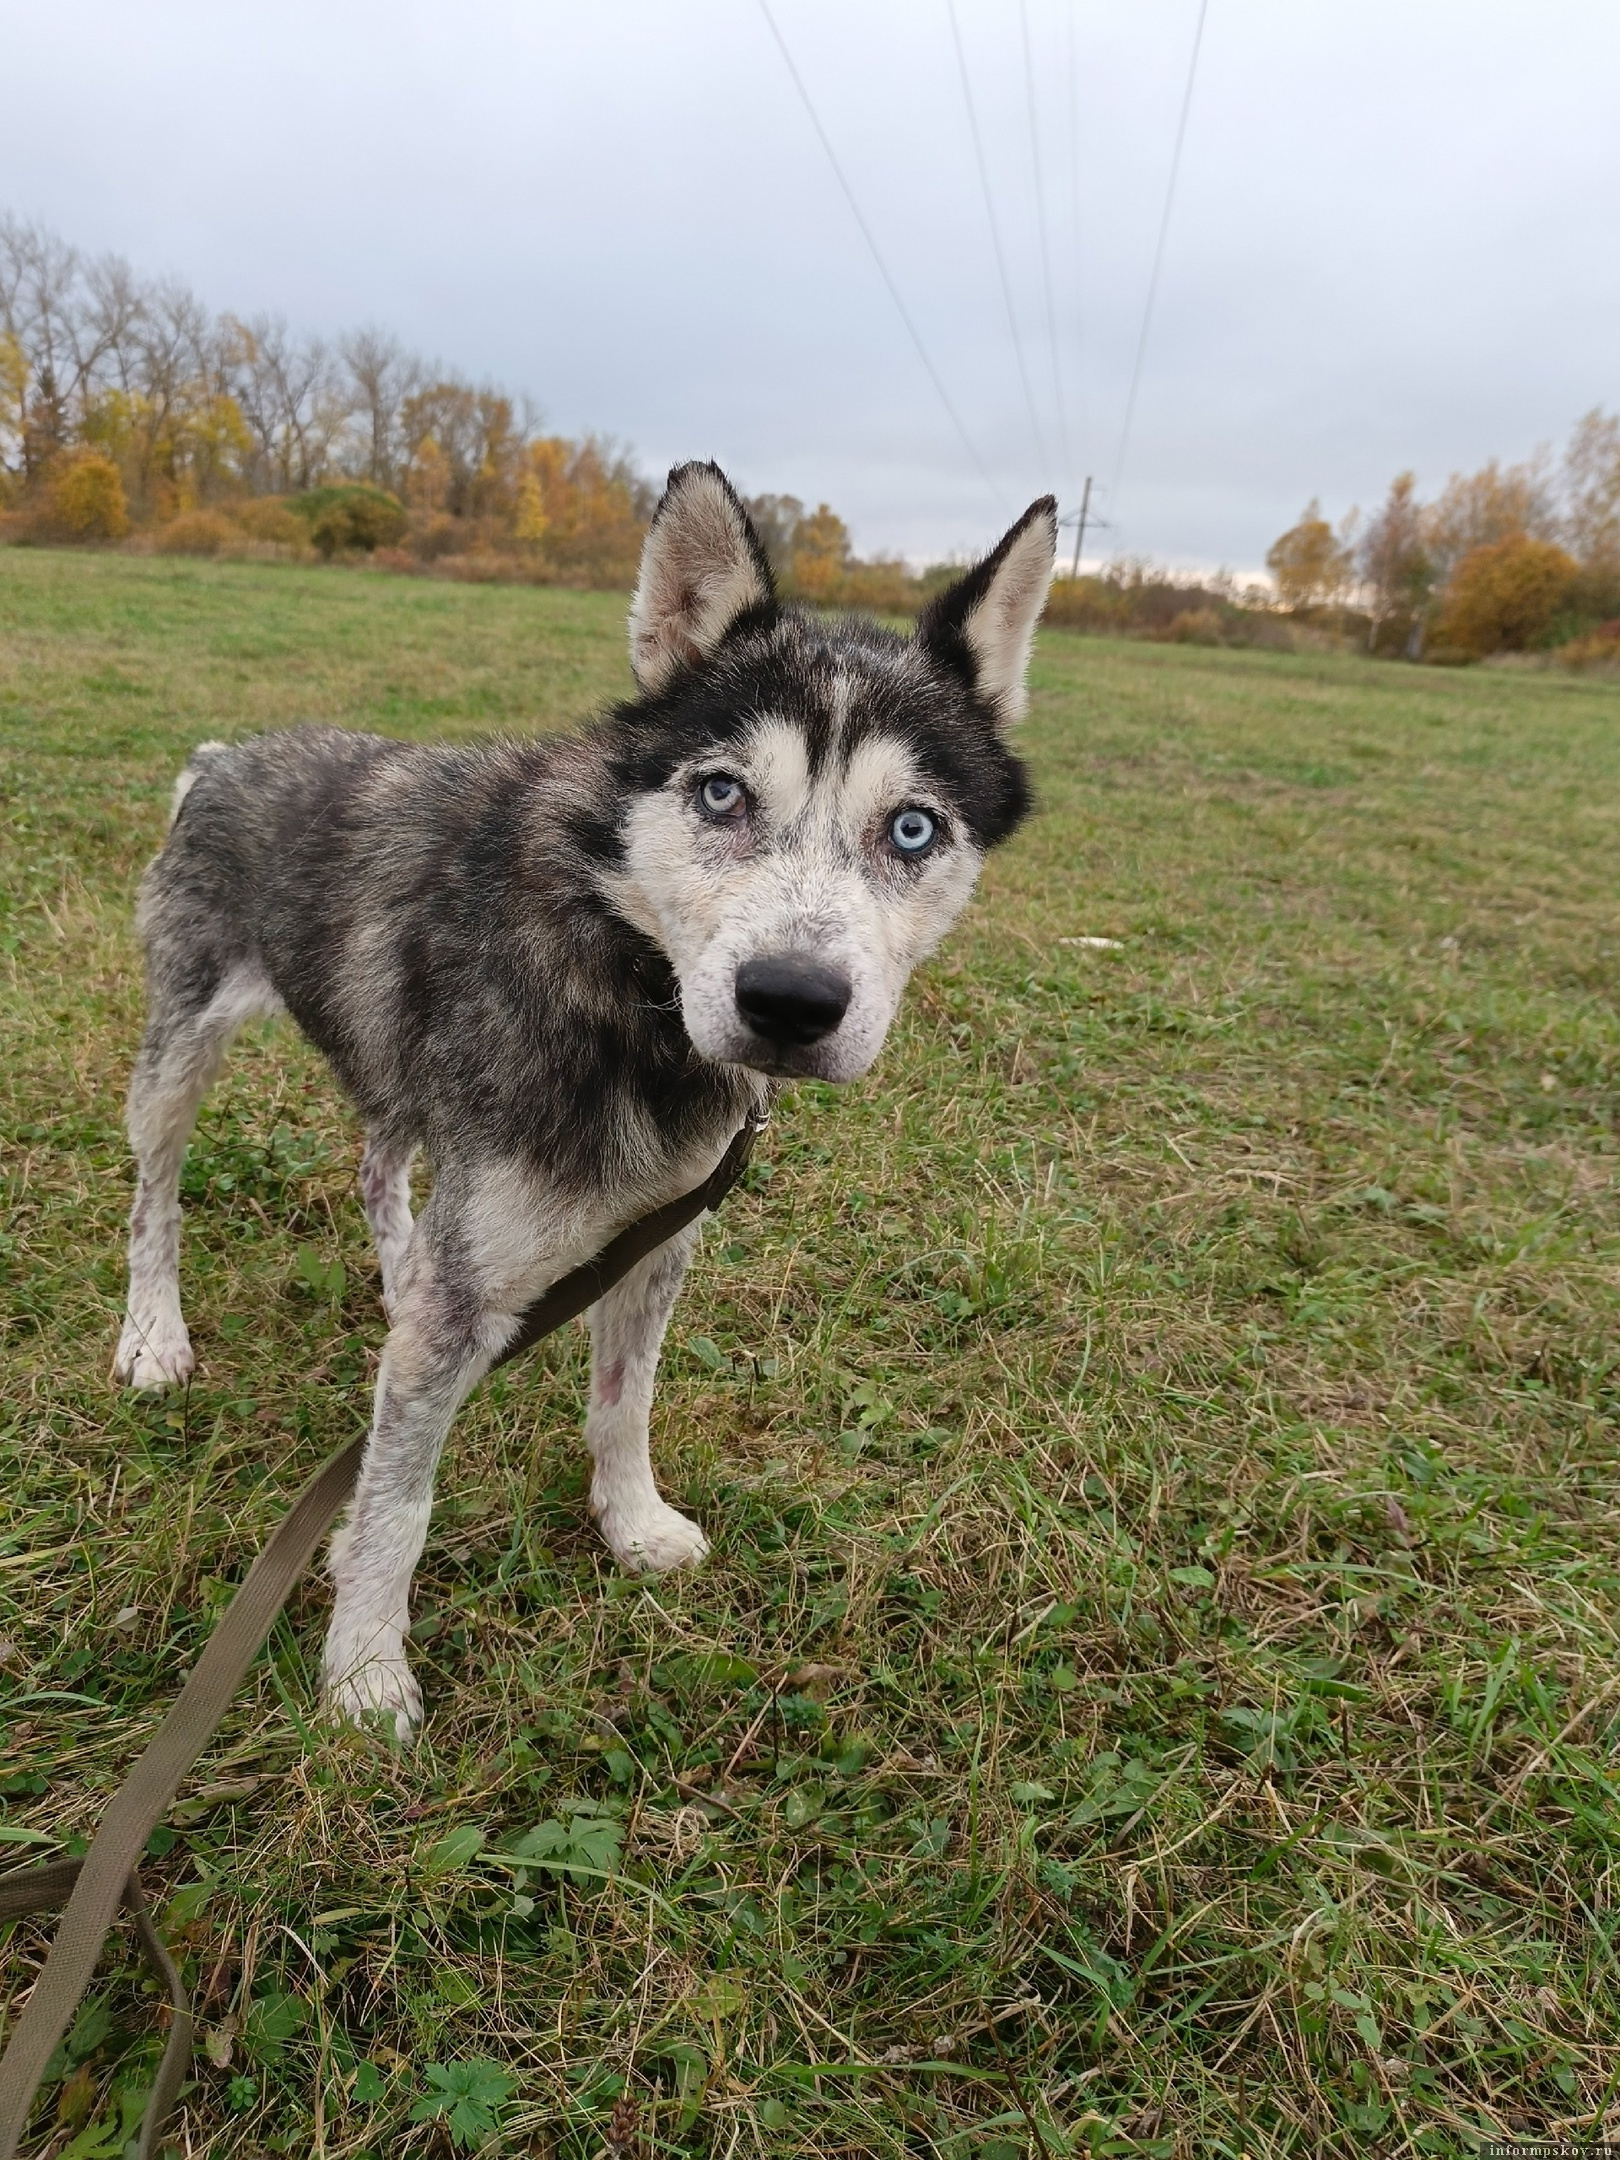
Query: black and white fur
x=568, y=969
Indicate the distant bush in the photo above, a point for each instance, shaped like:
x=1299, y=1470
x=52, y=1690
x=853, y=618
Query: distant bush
x=196, y=532
x=1504, y=597
x=435, y=535
x=1599, y=650
x=1594, y=598
x=1195, y=626
x=86, y=498
x=351, y=519
x=269, y=520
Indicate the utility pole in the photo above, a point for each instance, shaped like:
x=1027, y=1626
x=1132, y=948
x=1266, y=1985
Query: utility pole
x=1080, y=529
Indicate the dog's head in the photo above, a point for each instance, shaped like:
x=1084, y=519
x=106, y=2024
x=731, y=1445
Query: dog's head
x=805, y=805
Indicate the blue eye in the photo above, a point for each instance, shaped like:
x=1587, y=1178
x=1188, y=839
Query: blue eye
x=912, y=831
x=721, y=796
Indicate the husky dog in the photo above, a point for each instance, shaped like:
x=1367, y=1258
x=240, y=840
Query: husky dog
x=569, y=969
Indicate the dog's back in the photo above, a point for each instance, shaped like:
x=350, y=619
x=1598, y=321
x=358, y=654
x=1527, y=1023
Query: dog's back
x=427, y=915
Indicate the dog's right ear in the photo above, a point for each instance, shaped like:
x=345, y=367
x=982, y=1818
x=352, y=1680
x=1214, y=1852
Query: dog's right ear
x=701, y=568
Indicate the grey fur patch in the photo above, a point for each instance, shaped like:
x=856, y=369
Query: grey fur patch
x=186, y=779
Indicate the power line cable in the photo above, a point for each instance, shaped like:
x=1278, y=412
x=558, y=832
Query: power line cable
x=1040, y=221
x=1158, y=253
x=1074, y=217
x=995, y=234
x=877, y=255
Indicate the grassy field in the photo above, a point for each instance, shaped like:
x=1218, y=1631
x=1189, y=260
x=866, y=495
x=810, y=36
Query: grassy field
x=1157, y=1683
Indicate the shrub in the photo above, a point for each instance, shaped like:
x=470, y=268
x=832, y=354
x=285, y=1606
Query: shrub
x=87, y=498
x=884, y=585
x=436, y=534
x=1600, y=649
x=1195, y=626
x=195, y=532
x=486, y=566
x=1504, y=597
x=341, y=520
x=268, y=519
x=1086, y=603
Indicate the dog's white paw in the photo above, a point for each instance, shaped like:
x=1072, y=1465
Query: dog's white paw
x=652, y=1540
x=362, y=1687
x=153, y=1356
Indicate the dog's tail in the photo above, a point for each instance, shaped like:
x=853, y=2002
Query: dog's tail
x=190, y=774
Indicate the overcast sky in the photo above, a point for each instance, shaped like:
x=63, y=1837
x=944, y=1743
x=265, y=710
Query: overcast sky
x=1394, y=241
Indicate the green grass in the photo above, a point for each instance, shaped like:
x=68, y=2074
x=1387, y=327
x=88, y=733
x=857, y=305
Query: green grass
x=1157, y=1683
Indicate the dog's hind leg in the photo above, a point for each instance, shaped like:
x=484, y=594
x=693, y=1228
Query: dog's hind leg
x=643, y=1532
x=385, y=1189
x=179, y=1058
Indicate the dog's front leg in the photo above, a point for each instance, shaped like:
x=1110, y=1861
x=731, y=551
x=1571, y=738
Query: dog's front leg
x=627, y=1330
x=427, y=1367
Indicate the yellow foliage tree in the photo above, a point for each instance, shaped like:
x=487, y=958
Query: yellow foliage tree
x=1499, y=502
x=1505, y=597
x=87, y=497
x=1311, y=565
x=821, y=555
x=529, y=521
x=591, y=526
x=13, y=403
x=427, y=484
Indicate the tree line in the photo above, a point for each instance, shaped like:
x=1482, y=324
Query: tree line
x=129, y=410
x=127, y=405
x=1512, y=558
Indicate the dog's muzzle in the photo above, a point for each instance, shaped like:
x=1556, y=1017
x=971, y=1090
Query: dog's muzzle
x=791, y=999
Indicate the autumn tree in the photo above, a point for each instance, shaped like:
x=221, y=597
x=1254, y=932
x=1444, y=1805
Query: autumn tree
x=583, y=508
x=13, y=408
x=1499, y=502
x=87, y=497
x=37, y=276
x=1505, y=596
x=1393, y=559
x=381, y=377
x=1311, y=565
x=777, y=519
x=427, y=479
x=475, y=433
x=294, y=399
x=821, y=556
x=1592, y=508
x=530, y=522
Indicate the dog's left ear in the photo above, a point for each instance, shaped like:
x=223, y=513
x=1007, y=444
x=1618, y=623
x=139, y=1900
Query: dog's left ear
x=984, y=624
x=702, y=566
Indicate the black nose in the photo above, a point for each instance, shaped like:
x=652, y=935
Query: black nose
x=791, y=998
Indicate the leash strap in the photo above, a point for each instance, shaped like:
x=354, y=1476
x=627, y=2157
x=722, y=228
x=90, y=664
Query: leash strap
x=105, y=1878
